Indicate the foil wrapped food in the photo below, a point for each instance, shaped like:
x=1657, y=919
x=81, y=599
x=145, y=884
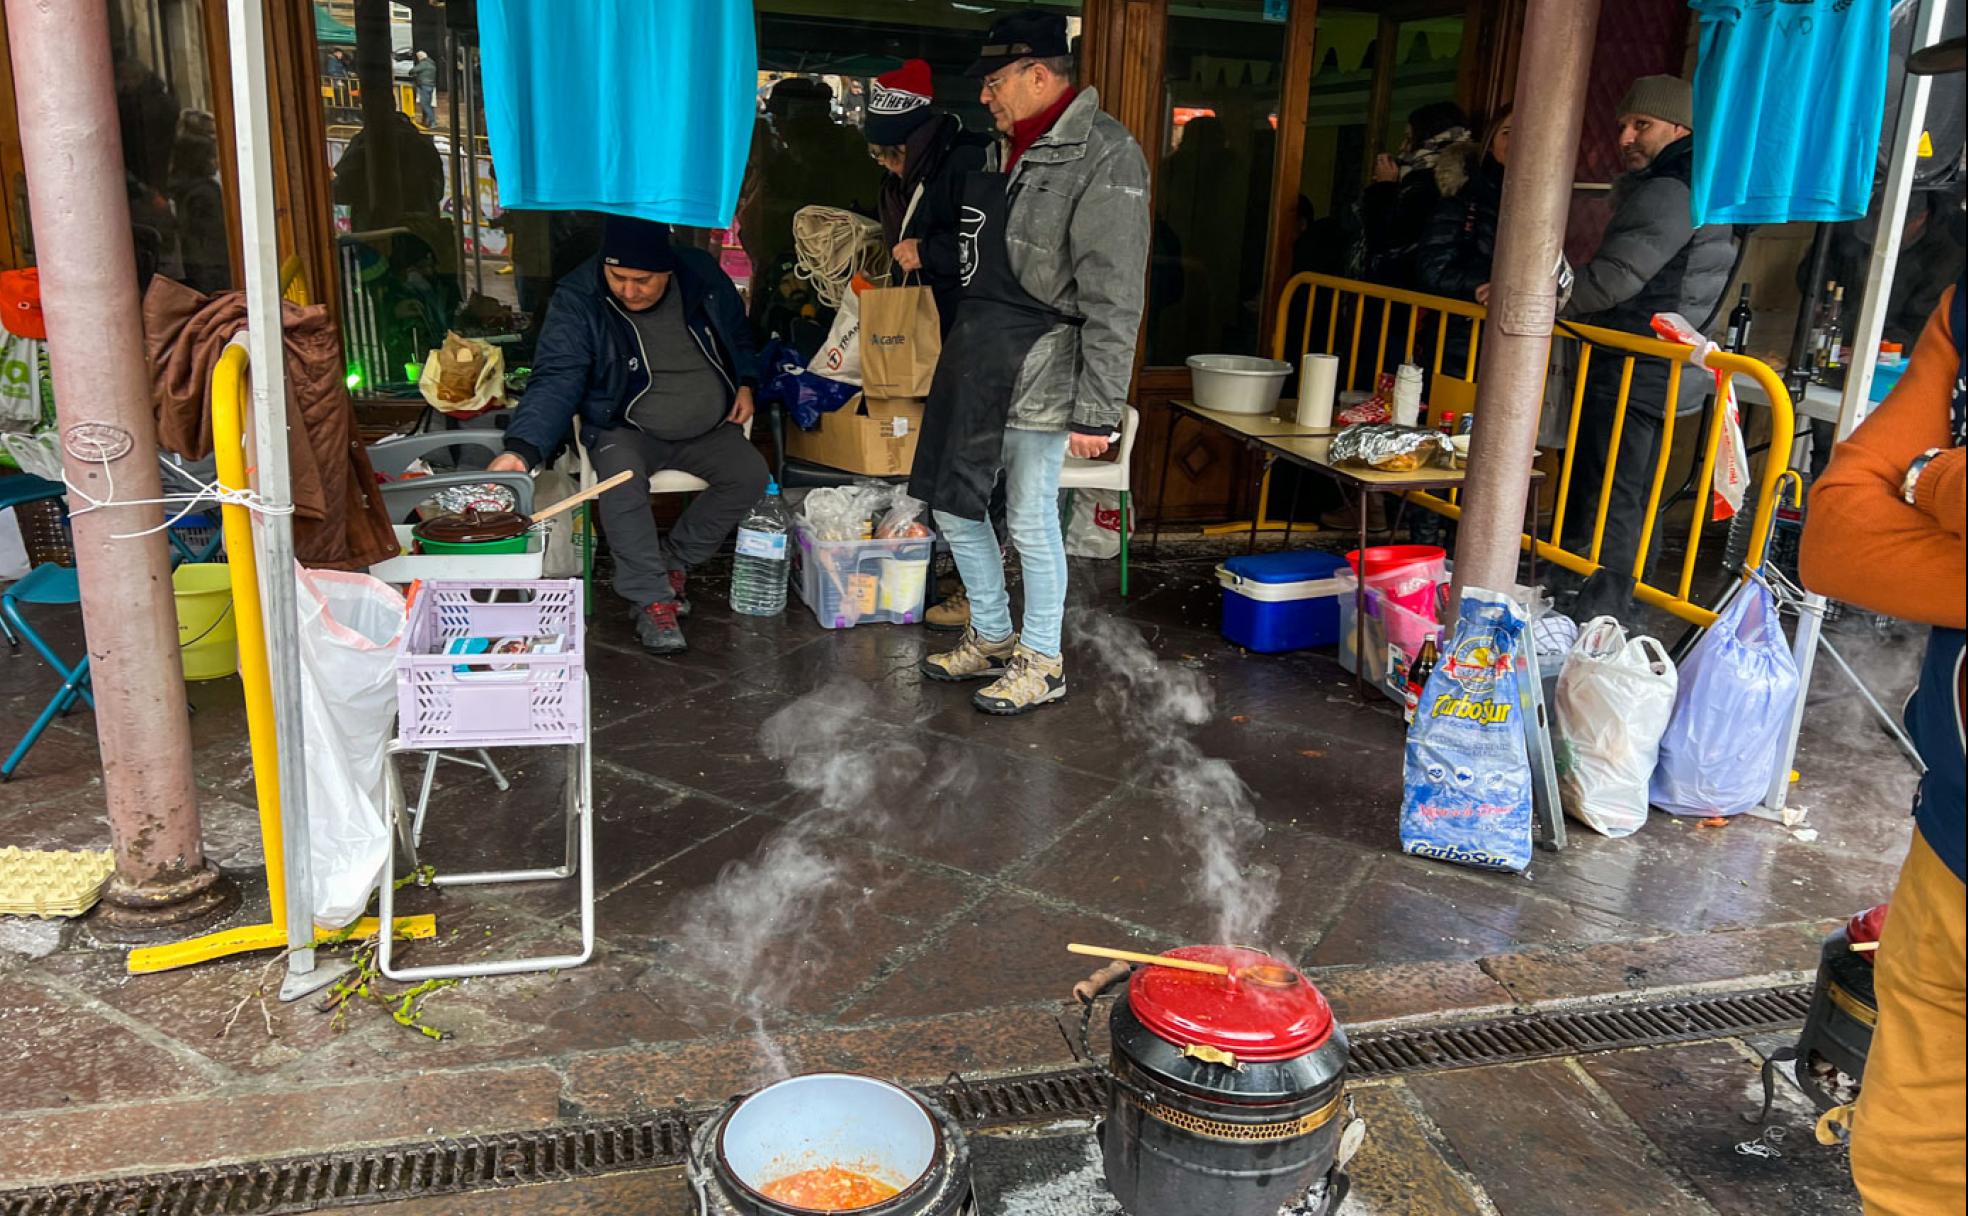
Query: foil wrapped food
x=1391, y=448
x=487, y=497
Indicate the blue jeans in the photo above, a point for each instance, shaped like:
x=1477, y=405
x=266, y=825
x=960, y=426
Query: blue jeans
x=1032, y=461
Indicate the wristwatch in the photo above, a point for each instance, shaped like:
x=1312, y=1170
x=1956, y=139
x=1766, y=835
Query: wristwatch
x=1911, y=482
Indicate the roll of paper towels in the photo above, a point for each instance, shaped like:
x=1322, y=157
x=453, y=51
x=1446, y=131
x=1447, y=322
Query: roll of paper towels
x=1317, y=378
x=1407, y=395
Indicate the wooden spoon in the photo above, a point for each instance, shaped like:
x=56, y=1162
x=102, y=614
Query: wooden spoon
x=1152, y=960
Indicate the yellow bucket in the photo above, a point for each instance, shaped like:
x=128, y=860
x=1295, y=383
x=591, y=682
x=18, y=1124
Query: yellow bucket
x=208, y=636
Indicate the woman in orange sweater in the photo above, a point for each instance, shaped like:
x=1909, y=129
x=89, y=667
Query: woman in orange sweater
x=1885, y=532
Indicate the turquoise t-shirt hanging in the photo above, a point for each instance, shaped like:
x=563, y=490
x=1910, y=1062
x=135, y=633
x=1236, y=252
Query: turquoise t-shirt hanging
x=1788, y=100
x=631, y=107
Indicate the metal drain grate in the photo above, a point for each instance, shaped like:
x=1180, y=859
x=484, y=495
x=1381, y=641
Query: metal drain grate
x=366, y=1176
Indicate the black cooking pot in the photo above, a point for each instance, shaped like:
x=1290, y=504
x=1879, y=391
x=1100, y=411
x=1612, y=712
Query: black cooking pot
x=1227, y=1091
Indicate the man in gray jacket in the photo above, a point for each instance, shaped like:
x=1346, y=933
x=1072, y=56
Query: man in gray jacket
x=1053, y=255
x=1652, y=260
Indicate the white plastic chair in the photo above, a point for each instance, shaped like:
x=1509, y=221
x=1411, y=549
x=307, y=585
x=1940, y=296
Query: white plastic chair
x=1104, y=474
x=662, y=481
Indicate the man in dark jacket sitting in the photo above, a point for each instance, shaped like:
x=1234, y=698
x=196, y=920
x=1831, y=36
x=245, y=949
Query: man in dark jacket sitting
x=1652, y=260
x=647, y=350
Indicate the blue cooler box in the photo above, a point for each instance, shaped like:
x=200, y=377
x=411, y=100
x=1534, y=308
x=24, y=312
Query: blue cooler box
x=1281, y=601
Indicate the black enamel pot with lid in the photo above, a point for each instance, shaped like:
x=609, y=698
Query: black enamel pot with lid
x=1227, y=1091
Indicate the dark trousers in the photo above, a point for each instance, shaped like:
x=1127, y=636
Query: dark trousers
x=723, y=457
x=1610, y=592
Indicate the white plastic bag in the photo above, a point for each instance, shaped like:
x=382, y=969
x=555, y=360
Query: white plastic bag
x=1615, y=696
x=350, y=625
x=1738, y=687
x=1094, y=527
x=20, y=384
x=840, y=358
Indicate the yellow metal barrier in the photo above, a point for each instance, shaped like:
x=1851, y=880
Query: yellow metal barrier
x=229, y=449
x=1302, y=299
x=293, y=279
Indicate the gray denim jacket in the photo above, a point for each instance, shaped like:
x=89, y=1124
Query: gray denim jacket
x=1077, y=237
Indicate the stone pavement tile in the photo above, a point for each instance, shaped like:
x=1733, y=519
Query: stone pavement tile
x=975, y=808
x=174, y=1134
x=54, y=815
x=706, y=741
x=722, y=642
x=637, y=1193
x=1617, y=968
x=864, y=908
x=1008, y=951
x=1680, y=876
x=64, y=757
x=882, y=657
x=1540, y=1143
x=1361, y=995
x=56, y=1052
x=1690, y=1101
x=1401, y=915
x=191, y=1006
x=473, y=826
x=624, y=683
x=1399, y=1170
x=917, y=1051
x=1309, y=778
x=1132, y=861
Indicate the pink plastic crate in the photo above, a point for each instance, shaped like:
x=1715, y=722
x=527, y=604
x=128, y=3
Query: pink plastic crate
x=526, y=700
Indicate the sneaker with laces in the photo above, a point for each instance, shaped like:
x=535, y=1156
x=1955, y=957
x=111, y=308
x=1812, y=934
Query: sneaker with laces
x=678, y=580
x=950, y=616
x=973, y=659
x=1030, y=680
x=657, y=628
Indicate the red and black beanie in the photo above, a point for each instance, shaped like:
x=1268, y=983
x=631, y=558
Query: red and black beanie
x=898, y=104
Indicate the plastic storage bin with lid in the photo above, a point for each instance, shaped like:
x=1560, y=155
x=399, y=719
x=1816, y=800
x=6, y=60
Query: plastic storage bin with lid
x=1274, y=602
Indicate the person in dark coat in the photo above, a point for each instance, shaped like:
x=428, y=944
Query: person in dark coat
x=1651, y=260
x=1397, y=204
x=927, y=152
x=1459, y=242
x=646, y=349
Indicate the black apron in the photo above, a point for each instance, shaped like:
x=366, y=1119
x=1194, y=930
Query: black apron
x=998, y=321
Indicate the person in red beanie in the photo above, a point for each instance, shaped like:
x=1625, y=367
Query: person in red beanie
x=926, y=152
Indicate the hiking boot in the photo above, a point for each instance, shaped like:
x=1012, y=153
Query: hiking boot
x=950, y=616
x=973, y=659
x=1030, y=680
x=657, y=628
x=678, y=578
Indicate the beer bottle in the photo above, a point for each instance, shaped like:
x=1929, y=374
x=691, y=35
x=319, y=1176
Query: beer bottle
x=1418, y=673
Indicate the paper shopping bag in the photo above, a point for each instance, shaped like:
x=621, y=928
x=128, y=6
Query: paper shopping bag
x=901, y=338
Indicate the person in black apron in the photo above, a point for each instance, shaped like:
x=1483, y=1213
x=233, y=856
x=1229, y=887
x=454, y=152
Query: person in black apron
x=964, y=438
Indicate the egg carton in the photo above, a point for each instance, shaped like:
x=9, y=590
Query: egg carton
x=46, y=882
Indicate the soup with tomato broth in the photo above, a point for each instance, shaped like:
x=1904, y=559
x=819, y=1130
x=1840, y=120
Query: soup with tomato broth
x=828, y=1189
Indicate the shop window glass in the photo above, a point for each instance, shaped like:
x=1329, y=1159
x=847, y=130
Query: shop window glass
x=1223, y=69
x=164, y=113
x=415, y=263
x=1338, y=146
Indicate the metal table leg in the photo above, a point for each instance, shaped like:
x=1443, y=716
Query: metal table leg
x=1360, y=603
x=1263, y=471
x=1161, y=487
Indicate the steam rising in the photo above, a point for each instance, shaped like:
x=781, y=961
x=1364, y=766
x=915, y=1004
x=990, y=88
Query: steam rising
x=773, y=915
x=1158, y=704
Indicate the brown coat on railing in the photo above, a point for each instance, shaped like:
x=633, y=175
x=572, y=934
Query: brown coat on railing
x=339, y=520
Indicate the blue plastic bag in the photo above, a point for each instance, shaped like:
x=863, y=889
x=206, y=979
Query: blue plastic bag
x=803, y=394
x=1738, y=688
x=1466, y=779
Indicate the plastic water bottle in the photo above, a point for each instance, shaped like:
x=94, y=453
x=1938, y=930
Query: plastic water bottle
x=758, y=573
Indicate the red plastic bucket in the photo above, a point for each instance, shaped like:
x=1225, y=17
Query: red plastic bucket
x=1404, y=574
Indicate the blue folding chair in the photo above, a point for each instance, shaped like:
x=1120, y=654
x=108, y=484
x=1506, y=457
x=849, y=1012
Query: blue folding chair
x=14, y=491
x=49, y=585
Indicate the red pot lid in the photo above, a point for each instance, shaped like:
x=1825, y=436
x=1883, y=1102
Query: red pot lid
x=1866, y=927
x=1252, y=1016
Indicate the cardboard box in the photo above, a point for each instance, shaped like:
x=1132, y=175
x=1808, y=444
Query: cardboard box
x=863, y=436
